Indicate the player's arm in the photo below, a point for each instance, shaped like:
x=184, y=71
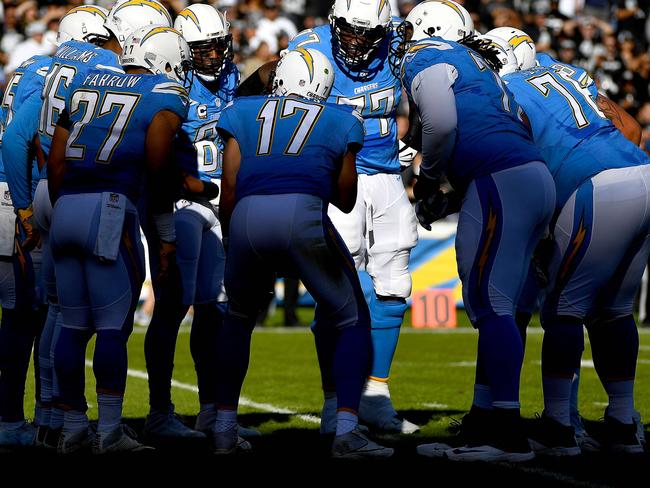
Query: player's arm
x=231, y=163
x=18, y=151
x=259, y=82
x=345, y=192
x=620, y=118
x=56, y=161
x=163, y=180
x=433, y=94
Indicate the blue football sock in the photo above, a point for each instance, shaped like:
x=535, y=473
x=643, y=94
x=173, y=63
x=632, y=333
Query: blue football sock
x=160, y=344
x=573, y=400
x=345, y=422
x=70, y=367
x=325, y=339
x=502, y=352
x=203, y=347
x=386, y=320
x=226, y=420
x=233, y=354
x=482, y=397
x=16, y=342
x=110, y=412
x=615, y=348
x=367, y=286
x=110, y=361
x=350, y=367
x=74, y=421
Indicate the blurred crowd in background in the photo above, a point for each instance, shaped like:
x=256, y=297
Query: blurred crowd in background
x=608, y=38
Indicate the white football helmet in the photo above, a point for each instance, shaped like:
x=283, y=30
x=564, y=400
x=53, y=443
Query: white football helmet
x=129, y=15
x=85, y=23
x=159, y=49
x=306, y=73
x=206, y=31
x=358, y=28
x=507, y=56
x=445, y=19
x=522, y=45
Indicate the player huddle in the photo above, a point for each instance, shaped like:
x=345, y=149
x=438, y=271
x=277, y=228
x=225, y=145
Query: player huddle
x=140, y=123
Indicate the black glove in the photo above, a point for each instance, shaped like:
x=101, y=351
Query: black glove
x=425, y=187
x=436, y=207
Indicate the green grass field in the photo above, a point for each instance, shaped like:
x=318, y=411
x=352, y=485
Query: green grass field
x=432, y=380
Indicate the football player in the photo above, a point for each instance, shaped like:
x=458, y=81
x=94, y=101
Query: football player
x=505, y=195
x=199, y=252
x=381, y=229
x=113, y=129
x=599, y=255
x=526, y=58
x=81, y=24
x=279, y=176
x=33, y=126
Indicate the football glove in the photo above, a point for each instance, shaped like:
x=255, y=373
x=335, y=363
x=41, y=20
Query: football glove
x=406, y=155
x=167, y=261
x=31, y=235
x=436, y=207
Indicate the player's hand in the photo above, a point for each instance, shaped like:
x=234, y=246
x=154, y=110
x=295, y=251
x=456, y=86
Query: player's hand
x=425, y=187
x=26, y=222
x=406, y=155
x=436, y=207
x=167, y=261
x=199, y=187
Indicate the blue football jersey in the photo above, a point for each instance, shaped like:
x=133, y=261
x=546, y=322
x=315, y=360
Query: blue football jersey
x=576, y=73
x=490, y=137
x=575, y=138
x=376, y=96
x=26, y=83
x=199, y=148
x=17, y=151
x=72, y=59
x=109, y=114
x=290, y=144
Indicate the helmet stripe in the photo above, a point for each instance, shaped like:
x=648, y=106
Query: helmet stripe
x=146, y=3
x=158, y=30
x=309, y=61
x=517, y=40
x=455, y=8
x=382, y=4
x=90, y=9
x=189, y=15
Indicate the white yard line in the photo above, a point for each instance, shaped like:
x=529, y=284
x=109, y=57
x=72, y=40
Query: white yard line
x=265, y=407
x=435, y=406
